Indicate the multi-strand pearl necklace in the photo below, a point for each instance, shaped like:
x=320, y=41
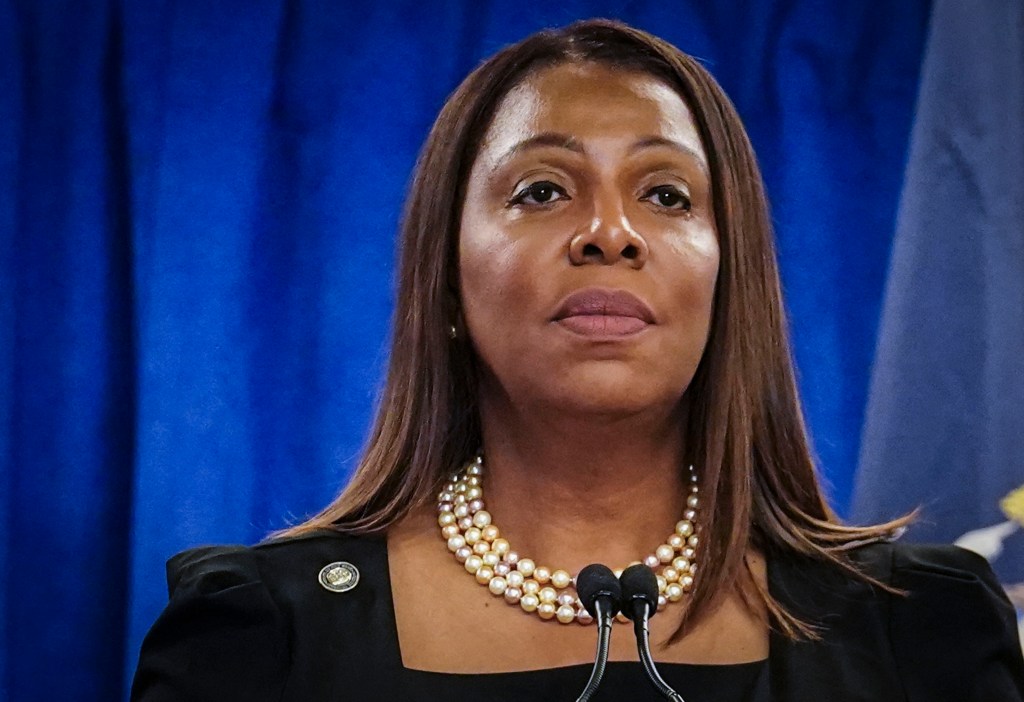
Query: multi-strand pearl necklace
x=477, y=544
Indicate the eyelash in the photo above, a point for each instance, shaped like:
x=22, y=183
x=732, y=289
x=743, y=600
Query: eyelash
x=531, y=189
x=671, y=191
x=534, y=189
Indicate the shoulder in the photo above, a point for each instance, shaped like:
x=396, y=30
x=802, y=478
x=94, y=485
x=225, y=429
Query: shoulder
x=230, y=626
x=220, y=567
x=948, y=626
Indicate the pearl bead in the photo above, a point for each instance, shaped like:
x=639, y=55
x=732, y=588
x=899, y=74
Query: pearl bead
x=463, y=554
x=531, y=587
x=475, y=469
x=456, y=542
x=481, y=547
x=547, y=594
x=445, y=518
x=617, y=572
x=497, y=585
x=652, y=561
x=491, y=559
x=566, y=614
x=502, y=568
x=689, y=515
x=465, y=523
x=482, y=518
x=692, y=502
x=686, y=581
x=475, y=506
x=450, y=531
x=460, y=499
x=489, y=532
x=674, y=592
x=475, y=493
x=684, y=528
x=484, y=575
x=461, y=511
x=472, y=535
x=526, y=566
x=662, y=601
x=542, y=574
x=461, y=487
x=512, y=557
x=445, y=506
x=546, y=610
x=692, y=541
x=694, y=489
x=529, y=602
x=689, y=553
x=665, y=553
x=473, y=564
x=565, y=599
x=500, y=546
x=680, y=563
x=676, y=542
x=447, y=495
x=670, y=574
x=583, y=617
x=662, y=582
x=561, y=579
x=473, y=481
x=693, y=569
x=515, y=578
x=512, y=595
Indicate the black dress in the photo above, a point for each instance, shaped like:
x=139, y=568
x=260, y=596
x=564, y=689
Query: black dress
x=255, y=624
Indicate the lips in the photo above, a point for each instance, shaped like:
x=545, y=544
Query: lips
x=603, y=312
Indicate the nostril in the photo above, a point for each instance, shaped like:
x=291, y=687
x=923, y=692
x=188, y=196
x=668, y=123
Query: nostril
x=592, y=250
x=630, y=252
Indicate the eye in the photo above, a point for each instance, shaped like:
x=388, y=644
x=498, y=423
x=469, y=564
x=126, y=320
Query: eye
x=542, y=192
x=669, y=196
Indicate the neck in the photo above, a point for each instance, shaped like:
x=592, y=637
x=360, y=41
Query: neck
x=568, y=490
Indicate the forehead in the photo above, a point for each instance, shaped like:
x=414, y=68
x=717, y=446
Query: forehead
x=590, y=103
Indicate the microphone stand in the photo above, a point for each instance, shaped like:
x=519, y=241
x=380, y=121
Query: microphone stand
x=603, y=606
x=640, y=603
x=643, y=646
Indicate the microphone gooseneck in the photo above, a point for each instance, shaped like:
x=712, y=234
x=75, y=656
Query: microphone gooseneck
x=640, y=603
x=601, y=595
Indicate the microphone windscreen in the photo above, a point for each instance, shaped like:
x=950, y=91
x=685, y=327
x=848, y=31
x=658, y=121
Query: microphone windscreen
x=596, y=580
x=639, y=583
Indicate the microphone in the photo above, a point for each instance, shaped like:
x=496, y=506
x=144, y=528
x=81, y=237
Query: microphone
x=640, y=603
x=601, y=595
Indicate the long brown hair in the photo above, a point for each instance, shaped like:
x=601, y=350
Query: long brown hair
x=744, y=426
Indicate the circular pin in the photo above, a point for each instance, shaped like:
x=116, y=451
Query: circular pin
x=339, y=576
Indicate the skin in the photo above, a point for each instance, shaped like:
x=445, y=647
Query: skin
x=587, y=178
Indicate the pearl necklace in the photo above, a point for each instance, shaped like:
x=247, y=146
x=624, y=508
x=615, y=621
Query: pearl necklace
x=477, y=544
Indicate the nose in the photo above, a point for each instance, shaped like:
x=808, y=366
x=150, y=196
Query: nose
x=608, y=238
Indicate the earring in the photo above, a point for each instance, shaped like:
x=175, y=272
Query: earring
x=453, y=333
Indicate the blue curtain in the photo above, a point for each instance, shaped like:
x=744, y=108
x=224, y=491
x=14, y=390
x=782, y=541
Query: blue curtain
x=197, y=212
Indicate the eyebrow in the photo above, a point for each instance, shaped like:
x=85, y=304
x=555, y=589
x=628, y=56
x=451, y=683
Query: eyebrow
x=564, y=141
x=654, y=141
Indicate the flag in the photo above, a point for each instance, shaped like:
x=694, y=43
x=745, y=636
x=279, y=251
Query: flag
x=944, y=426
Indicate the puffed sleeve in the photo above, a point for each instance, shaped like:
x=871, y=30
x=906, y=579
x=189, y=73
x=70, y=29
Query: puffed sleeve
x=221, y=636
x=955, y=633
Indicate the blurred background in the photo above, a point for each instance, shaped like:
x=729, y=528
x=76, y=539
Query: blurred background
x=198, y=207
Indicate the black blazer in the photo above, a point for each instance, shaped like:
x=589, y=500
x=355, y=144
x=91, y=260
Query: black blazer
x=255, y=624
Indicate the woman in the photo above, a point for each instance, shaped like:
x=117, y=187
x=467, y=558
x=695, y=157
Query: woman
x=589, y=333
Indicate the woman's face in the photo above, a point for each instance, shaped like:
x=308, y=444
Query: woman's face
x=587, y=251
